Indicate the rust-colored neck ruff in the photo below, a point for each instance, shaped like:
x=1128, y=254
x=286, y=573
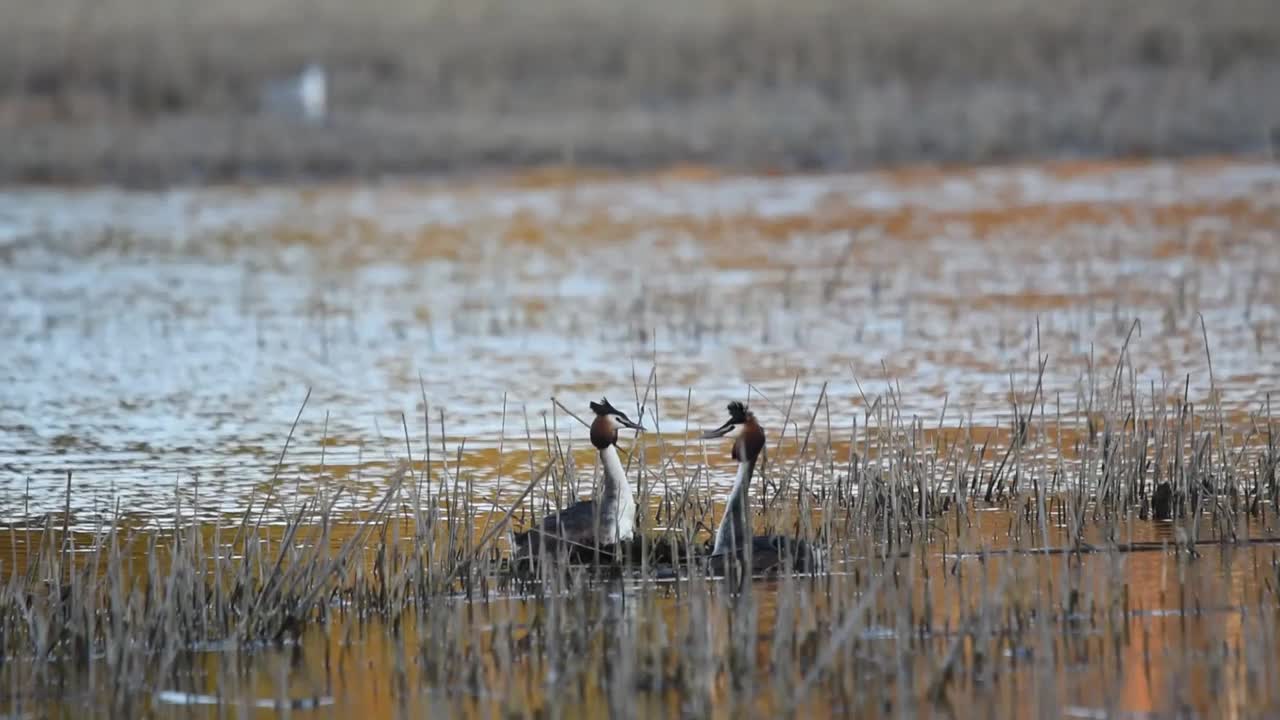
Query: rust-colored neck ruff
x=604, y=432
x=750, y=441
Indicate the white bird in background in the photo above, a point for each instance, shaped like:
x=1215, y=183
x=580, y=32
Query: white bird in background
x=302, y=97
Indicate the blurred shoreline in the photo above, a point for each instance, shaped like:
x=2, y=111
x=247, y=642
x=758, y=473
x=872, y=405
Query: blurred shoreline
x=148, y=93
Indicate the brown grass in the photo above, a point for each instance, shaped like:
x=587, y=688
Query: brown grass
x=141, y=91
x=980, y=573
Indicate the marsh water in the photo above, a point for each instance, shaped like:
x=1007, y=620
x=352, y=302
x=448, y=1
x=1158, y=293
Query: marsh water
x=159, y=346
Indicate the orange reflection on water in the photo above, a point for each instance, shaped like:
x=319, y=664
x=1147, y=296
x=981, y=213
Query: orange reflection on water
x=995, y=627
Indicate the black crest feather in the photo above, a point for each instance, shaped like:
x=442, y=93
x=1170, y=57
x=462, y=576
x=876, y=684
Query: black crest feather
x=603, y=407
x=737, y=412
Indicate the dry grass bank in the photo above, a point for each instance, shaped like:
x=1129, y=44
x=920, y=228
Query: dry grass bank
x=144, y=91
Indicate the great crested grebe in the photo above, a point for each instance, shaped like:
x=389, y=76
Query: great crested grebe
x=733, y=538
x=588, y=526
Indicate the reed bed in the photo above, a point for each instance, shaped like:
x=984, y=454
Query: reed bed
x=152, y=93
x=1015, y=570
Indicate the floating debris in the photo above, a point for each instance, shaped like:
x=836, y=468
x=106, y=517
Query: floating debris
x=176, y=697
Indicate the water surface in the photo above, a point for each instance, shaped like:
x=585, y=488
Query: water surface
x=153, y=338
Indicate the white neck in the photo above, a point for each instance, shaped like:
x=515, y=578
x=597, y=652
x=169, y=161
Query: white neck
x=734, y=529
x=618, y=513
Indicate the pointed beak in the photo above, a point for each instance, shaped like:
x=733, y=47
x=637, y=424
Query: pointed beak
x=625, y=422
x=721, y=431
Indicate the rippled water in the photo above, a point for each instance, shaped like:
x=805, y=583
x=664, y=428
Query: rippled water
x=160, y=345
x=152, y=338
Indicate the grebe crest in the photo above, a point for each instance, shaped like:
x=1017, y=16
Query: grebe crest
x=749, y=437
x=609, y=420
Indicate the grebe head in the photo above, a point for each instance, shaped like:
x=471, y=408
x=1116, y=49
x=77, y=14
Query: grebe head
x=609, y=420
x=741, y=425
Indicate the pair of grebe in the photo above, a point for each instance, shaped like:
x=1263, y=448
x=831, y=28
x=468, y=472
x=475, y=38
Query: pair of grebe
x=590, y=528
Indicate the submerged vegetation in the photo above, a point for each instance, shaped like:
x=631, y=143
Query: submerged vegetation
x=1018, y=569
